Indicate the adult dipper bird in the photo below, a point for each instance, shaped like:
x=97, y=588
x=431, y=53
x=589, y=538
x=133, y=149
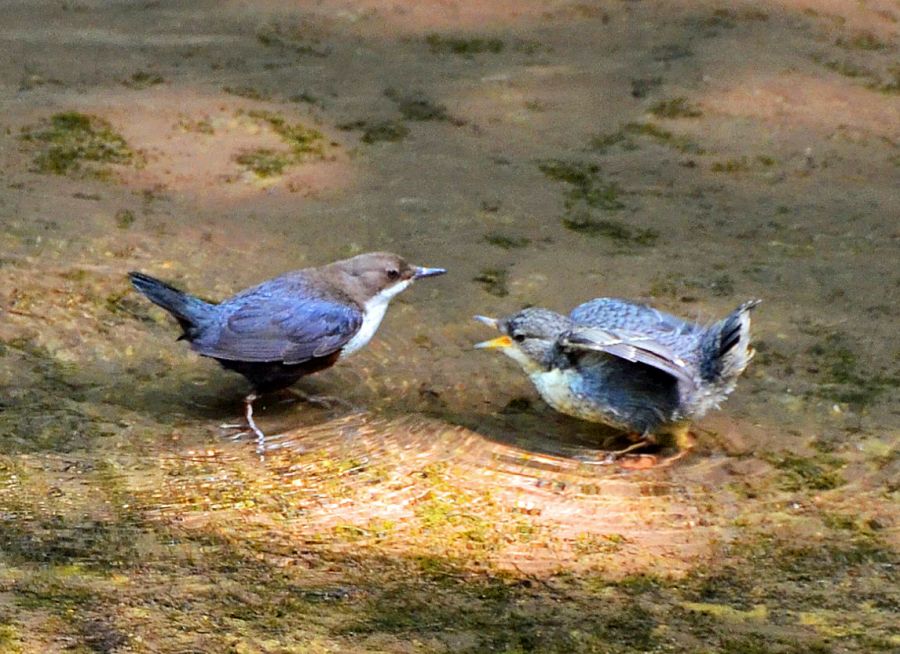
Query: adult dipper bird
x=628, y=365
x=290, y=326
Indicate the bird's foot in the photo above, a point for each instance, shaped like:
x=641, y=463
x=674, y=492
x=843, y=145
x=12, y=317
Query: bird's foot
x=615, y=455
x=669, y=460
x=684, y=441
x=260, y=436
x=682, y=438
x=637, y=462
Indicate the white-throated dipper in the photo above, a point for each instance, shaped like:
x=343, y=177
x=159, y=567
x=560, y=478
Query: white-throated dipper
x=290, y=326
x=628, y=365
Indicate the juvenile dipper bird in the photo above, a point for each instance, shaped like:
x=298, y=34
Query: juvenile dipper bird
x=290, y=326
x=628, y=365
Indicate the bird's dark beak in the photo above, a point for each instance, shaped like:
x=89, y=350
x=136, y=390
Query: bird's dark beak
x=490, y=322
x=419, y=272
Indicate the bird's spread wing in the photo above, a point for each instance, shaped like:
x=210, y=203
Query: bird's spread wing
x=612, y=313
x=631, y=346
x=288, y=329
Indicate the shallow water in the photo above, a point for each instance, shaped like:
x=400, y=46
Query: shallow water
x=688, y=154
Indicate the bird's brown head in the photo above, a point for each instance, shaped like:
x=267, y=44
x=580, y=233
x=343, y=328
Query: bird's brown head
x=380, y=275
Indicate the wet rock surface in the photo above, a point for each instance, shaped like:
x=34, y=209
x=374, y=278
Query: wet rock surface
x=687, y=154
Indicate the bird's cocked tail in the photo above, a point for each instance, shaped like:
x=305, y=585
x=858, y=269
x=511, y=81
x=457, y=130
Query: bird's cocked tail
x=190, y=311
x=726, y=345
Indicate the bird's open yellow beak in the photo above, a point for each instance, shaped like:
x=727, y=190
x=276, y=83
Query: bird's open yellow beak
x=495, y=343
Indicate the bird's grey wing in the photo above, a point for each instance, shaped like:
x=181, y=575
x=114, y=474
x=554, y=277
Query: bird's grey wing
x=616, y=314
x=631, y=346
x=288, y=329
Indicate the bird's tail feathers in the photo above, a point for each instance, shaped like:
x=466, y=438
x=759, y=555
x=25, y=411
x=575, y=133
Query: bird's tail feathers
x=190, y=311
x=726, y=345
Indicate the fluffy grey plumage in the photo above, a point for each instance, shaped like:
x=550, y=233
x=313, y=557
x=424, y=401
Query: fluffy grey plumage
x=627, y=365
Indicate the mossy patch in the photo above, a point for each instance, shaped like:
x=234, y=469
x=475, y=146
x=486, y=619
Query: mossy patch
x=683, y=288
x=886, y=81
x=143, y=79
x=517, y=405
x=389, y=131
x=615, y=230
x=72, y=143
x=304, y=143
x=720, y=18
x=821, y=472
x=506, y=241
x=731, y=166
x=590, y=543
x=493, y=281
x=601, y=143
x=200, y=126
x=642, y=86
x=247, y=92
x=292, y=38
x=743, y=164
x=675, y=108
x=124, y=218
x=264, y=162
x=665, y=137
x=721, y=285
x=10, y=639
x=861, y=41
x=890, y=84
x=626, y=138
x=587, y=187
x=577, y=173
x=848, y=68
x=817, y=560
x=417, y=106
x=588, y=194
x=843, y=377
x=671, y=52
x=465, y=47
x=728, y=614
x=301, y=139
x=307, y=98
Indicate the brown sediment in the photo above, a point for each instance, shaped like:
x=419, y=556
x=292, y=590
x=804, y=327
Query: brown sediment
x=552, y=153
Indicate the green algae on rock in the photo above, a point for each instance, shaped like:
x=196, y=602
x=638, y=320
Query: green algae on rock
x=247, y=92
x=675, y=108
x=379, y=130
x=417, y=106
x=612, y=229
x=264, y=162
x=506, y=242
x=143, y=80
x=304, y=143
x=493, y=281
x=73, y=143
x=466, y=47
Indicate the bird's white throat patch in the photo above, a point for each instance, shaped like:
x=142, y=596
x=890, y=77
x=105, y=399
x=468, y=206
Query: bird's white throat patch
x=529, y=365
x=373, y=314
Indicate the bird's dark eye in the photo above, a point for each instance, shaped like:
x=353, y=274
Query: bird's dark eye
x=393, y=273
x=518, y=338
